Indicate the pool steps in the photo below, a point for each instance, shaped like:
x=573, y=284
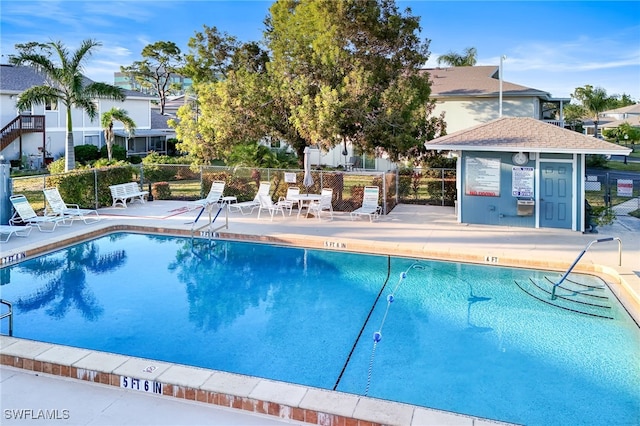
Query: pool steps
x=283, y=400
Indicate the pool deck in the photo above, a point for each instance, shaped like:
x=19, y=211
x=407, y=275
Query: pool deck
x=41, y=376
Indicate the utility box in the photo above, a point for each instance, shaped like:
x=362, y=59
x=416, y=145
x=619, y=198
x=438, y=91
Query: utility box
x=525, y=207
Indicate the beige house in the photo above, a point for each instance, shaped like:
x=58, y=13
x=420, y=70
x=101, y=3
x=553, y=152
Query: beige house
x=471, y=95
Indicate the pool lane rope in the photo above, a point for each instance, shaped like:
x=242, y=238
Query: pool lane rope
x=377, y=335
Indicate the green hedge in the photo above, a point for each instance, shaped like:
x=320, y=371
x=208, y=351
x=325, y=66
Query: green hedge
x=78, y=187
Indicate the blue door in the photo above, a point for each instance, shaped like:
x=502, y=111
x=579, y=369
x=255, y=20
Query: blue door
x=556, y=195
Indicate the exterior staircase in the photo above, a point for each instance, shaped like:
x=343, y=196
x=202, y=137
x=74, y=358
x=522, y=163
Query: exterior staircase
x=19, y=126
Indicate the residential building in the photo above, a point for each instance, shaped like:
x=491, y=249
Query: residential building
x=468, y=96
x=38, y=135
x=471, y=95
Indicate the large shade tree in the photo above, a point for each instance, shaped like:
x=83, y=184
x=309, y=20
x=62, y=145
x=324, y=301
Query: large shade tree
x=107, y=121
x=64, y=83
x=333, y=72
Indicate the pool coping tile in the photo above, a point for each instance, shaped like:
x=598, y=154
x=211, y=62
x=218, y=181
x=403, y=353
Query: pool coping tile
x=383, y=412
x=100, y=361
x=181, y=375
x=142, y=368
x=230, y=383
x=325, y=401
x=26, y=349
x=425, y=416
x=278, y=392
x=63, y=355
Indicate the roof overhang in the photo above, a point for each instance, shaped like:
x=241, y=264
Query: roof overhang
x=464, y=147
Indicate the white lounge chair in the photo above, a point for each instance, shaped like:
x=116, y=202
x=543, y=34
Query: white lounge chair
x=9, y=230
x=288, y=201
x=370, y=205
x=325, y=203
x=214, y=196
x=24, y=214
x=57, y=207
x=267, y=204
x=264, y=189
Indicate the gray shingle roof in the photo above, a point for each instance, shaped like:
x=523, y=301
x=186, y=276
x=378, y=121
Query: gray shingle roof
x=475, y=82
x=512, y=134
x=15, y=79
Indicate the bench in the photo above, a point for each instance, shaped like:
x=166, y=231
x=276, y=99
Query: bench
x=124, y=192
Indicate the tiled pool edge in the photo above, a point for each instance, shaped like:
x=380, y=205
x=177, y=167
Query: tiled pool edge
x=260, y=396
x=312, y=406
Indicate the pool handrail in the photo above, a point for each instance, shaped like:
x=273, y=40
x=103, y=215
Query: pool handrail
x=8, y=314
x=575, y=262
x=211, y=232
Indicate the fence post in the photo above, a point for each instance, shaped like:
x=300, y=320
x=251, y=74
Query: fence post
x=95, y=187
x=384, y=192
x=441, y=187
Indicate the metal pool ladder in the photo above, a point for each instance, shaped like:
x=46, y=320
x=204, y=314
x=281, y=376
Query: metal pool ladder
x=8, y=314
x=210, y=232
x=575, y=262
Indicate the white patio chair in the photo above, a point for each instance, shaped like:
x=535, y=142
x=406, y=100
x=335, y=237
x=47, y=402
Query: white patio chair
x=57, y=207
x=264, y=189
x=267, y=204
x=325, y=204
x=24, y=214
x=214, y=197
x=370, y=205
x=9, y=230
x=288, y=201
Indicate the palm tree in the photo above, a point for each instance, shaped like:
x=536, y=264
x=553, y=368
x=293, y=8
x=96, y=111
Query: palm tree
x=453, y=59
x=115, y=114
x=594, y=101
x=64, y=83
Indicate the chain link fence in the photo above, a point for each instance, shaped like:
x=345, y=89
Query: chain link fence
x=618, y=190
x=90, y=188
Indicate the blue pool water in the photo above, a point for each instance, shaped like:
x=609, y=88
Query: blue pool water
x=457, y=337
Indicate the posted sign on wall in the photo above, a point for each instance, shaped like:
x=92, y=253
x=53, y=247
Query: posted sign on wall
x=522, y=181
x=482, y=176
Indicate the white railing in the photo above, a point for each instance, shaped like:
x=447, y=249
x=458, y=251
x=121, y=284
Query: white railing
x=558, y=123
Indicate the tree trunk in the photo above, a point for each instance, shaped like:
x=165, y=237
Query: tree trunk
x=69, y=155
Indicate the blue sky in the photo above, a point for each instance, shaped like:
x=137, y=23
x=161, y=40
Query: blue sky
x=550, y=46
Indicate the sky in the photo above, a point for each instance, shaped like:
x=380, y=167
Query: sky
x=550, y=46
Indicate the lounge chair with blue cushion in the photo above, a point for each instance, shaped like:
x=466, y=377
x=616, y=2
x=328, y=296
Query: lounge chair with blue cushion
x=24, y=214
x=57, y=207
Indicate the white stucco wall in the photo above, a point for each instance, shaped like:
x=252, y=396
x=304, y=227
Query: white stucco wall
x=55, y=138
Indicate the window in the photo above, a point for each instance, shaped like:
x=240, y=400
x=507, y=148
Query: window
x=156, y=143
x=275, y=143
x=92, y=140
x=51, y=106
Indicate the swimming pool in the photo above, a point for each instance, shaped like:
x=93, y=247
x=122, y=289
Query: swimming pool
x=456, y=337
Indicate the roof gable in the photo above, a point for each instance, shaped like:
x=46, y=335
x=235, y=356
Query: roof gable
x=476, y=81
x=511, y=134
